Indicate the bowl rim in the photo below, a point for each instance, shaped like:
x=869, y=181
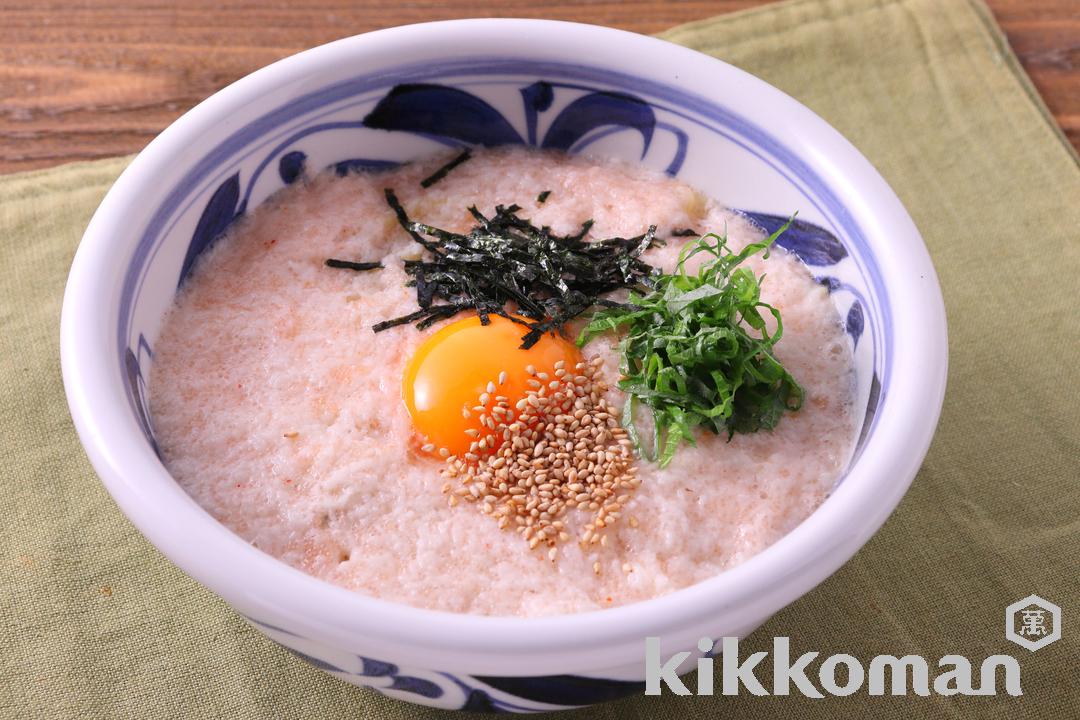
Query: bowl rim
x=315, y=609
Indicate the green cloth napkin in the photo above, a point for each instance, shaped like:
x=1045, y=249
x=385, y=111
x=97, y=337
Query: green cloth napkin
x=95, y=623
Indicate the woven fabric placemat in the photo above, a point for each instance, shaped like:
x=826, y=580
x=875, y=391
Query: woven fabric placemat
x=95, y=623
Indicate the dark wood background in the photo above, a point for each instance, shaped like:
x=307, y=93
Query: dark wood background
x=84, y=80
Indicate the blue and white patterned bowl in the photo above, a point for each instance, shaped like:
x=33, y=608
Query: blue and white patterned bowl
x=387, y=97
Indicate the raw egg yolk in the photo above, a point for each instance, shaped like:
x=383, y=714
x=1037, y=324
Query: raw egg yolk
x=445, y=377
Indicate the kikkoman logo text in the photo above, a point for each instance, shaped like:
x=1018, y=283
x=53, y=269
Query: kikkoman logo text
x=884, y=674
x=1032, y=623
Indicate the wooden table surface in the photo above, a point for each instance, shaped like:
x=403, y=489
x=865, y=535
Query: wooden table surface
x=92, y=79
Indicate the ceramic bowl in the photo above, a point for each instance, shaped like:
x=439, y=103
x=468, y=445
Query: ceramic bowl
x=386, y=97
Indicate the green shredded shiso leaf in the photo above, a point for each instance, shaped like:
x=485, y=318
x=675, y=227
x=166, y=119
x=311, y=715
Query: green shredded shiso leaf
x=697, y=350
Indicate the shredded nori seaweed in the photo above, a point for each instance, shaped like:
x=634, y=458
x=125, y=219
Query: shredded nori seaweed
x=445, y=169
x=504, y=259
x=685, y=232
x=350, y=265
x=542, y=197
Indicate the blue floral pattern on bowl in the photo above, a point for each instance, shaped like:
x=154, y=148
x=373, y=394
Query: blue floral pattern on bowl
x=451, y=691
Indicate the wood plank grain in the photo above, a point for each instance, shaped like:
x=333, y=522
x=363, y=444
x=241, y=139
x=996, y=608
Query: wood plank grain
x=98, y=79
x=1045, y=34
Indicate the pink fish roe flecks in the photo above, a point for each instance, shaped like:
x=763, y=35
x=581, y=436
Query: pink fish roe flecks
x=279, y=410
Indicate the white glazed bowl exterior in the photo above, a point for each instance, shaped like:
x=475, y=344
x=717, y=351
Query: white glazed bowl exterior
x=741, y=140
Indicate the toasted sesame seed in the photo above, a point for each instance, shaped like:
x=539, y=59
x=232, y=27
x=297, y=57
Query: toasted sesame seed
x=291, y=434
x=428, y=447
x=560, y=450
